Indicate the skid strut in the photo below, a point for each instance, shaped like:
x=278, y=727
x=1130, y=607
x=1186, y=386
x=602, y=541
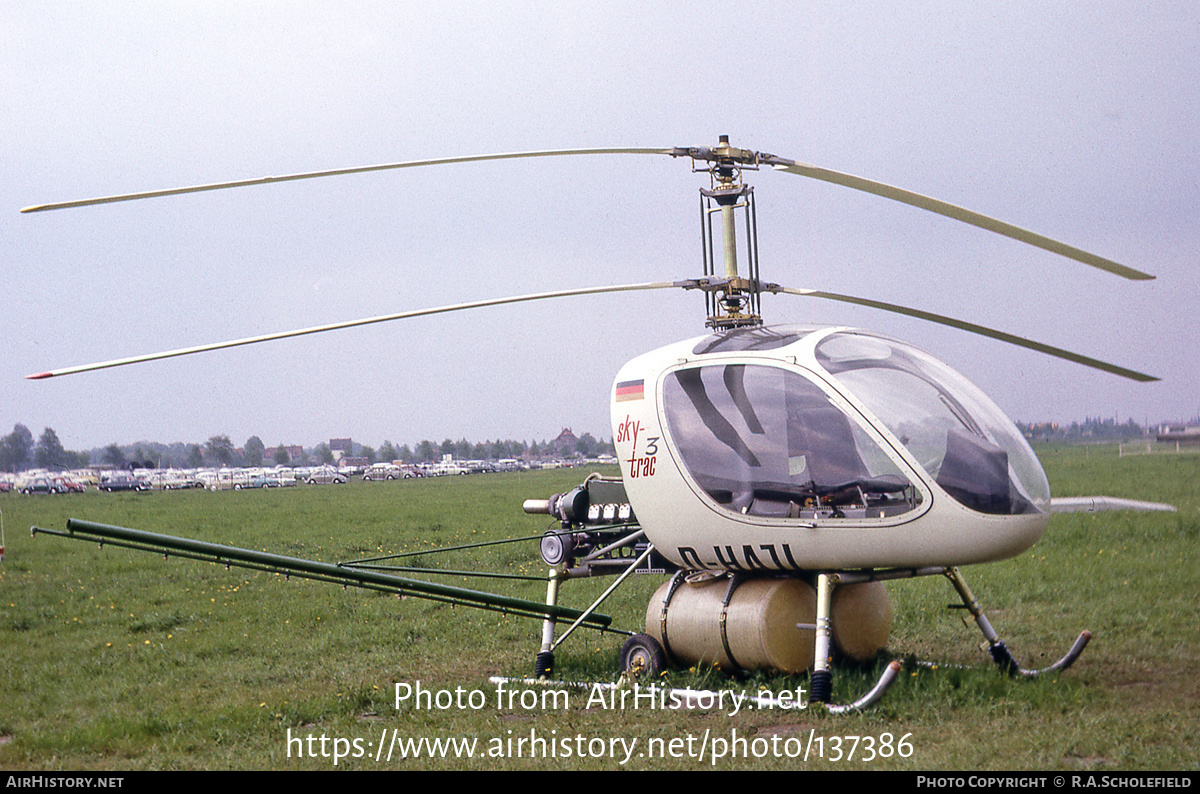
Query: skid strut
x=544, y=662
x=822, y=677
x=997, y=648
x=543, y=666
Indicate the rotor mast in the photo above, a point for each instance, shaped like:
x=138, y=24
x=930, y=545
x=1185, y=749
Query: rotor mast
x=732, y=299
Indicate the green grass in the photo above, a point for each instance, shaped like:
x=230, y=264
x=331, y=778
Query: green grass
x=112, y=659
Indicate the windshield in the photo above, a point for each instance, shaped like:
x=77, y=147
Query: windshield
x=762, y=440
x=958, y=435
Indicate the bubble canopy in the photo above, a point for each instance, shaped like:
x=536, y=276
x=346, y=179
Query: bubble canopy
x=762, y=438
x=954, y=431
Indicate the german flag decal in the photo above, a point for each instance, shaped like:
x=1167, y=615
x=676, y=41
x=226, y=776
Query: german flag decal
x=629, y=390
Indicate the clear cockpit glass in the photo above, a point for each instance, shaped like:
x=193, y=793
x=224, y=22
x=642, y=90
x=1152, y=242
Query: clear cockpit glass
x=766, y=441
x=958, y=435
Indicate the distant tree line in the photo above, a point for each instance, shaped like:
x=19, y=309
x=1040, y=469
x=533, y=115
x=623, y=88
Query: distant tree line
x=1090, y=429
x=18, y=452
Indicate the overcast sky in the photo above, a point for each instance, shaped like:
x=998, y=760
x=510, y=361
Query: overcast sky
x=1072, y=119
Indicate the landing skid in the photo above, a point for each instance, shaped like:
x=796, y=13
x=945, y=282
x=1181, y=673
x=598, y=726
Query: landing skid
x=643, y=656
x=822, y=677
x=996, y=646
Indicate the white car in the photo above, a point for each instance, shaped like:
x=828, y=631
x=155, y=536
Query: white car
x=383, y=471
x=326, y=476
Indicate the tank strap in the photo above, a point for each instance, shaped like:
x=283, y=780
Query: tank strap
x=734, y=581
x=676, y=581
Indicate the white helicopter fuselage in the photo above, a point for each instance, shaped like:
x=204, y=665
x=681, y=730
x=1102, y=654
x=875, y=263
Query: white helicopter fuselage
x=807, y=449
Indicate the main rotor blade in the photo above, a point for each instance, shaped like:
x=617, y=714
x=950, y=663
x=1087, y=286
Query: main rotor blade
x=351, y=324
x=962, y=325
x=955, y=212
x=720, y=155
x=332, y=172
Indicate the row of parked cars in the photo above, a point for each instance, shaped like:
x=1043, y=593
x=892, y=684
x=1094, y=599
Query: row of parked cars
x=169, y=480
x=50, y=485
x=42, y=482
x=240, y=479
x=397, y=471
x=391, y=471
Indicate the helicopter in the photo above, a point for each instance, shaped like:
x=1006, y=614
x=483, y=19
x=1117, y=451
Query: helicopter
x=779, y=475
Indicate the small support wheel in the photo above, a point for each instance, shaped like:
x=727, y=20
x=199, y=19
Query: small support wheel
x=643, y=657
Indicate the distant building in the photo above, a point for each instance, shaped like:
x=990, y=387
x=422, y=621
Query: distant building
x=1179, y=434
x=341, y=448
x=295, y=454
x=564, y=445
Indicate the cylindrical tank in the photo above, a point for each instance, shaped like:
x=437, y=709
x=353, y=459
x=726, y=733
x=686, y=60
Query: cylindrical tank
x=751, y=624
x=862, y=619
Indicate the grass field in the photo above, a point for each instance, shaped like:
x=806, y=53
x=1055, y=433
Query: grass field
x=112, y=659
